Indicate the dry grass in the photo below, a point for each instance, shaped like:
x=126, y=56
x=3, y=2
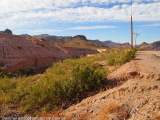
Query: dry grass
x=83, y=116
x=114, y=110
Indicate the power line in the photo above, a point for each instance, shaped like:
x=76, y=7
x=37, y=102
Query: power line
x=136, y=37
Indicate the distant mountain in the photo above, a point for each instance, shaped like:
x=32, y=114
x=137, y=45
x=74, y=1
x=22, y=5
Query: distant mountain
x=80, y=41
x=127, y=45
x=151, y=46
x=109, y=43
x=25, y=35
x=52, y=37
x=143, y=45
x=97, y=41
x=155, y=45
x=6, y=31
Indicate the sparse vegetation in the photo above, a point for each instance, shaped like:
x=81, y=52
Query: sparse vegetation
x=19, y=73
x=63, y=82
x=122, y=111
x=29, y=71
x=2, y=74
x=19, y=47
x=29, y=37
x=42, y=45
x=79, y=43
x=1, y=63
x=120, y=56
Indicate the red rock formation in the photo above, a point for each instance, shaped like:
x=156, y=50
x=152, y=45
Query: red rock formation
x=19, y=53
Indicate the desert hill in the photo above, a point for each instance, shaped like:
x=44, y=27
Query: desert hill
x=19, y=53
x=151, y=46
x=80, y=41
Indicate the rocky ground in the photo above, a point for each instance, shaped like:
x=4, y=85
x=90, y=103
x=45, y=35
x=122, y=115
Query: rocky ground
x=135, y=97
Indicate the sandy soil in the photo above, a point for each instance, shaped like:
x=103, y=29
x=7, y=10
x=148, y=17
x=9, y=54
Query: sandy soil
x=149, y=62
x=136, y=97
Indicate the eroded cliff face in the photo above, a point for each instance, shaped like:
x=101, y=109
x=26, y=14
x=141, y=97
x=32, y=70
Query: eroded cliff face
x=19, y=53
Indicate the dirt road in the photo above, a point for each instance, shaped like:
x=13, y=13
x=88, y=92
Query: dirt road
x=148, y=61
x=137, y=96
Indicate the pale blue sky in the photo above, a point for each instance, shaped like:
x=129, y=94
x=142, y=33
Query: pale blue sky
x=96, y=19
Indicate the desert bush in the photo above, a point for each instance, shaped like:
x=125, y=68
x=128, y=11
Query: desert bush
x=1, y=63
x=29, y=71
x=42, y=45
x=19, y=47
x=19, y=73
x=2, y=74
x=10, y=74
x=86, y=78
x=29, y=37
x=50, y=93
x=119, y=57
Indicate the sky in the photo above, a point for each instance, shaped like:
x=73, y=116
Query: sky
x=96, y=19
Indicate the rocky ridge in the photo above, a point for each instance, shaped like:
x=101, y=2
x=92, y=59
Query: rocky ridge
x=6, y=31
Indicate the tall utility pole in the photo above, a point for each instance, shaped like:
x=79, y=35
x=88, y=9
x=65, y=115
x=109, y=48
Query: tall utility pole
x=136, y=37
x=131, y=28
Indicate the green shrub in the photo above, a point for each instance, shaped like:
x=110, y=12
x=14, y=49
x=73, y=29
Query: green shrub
x=19, y=47
x=119, y=57
x=42, y=45
x=19, y=73
x=1, y=63
x=2, y=74
x=10, y=74
x=51, y=92
x=86, y=79
x=29, y=71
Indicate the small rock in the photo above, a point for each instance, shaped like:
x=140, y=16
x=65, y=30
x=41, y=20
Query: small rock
x=103, y=98
x=91, y=111
x=148, y=76
x=139, y=90
x=154, y=87
x=157, y=77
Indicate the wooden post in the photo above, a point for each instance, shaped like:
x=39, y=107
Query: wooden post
x=131, y=34
x=135, y=42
